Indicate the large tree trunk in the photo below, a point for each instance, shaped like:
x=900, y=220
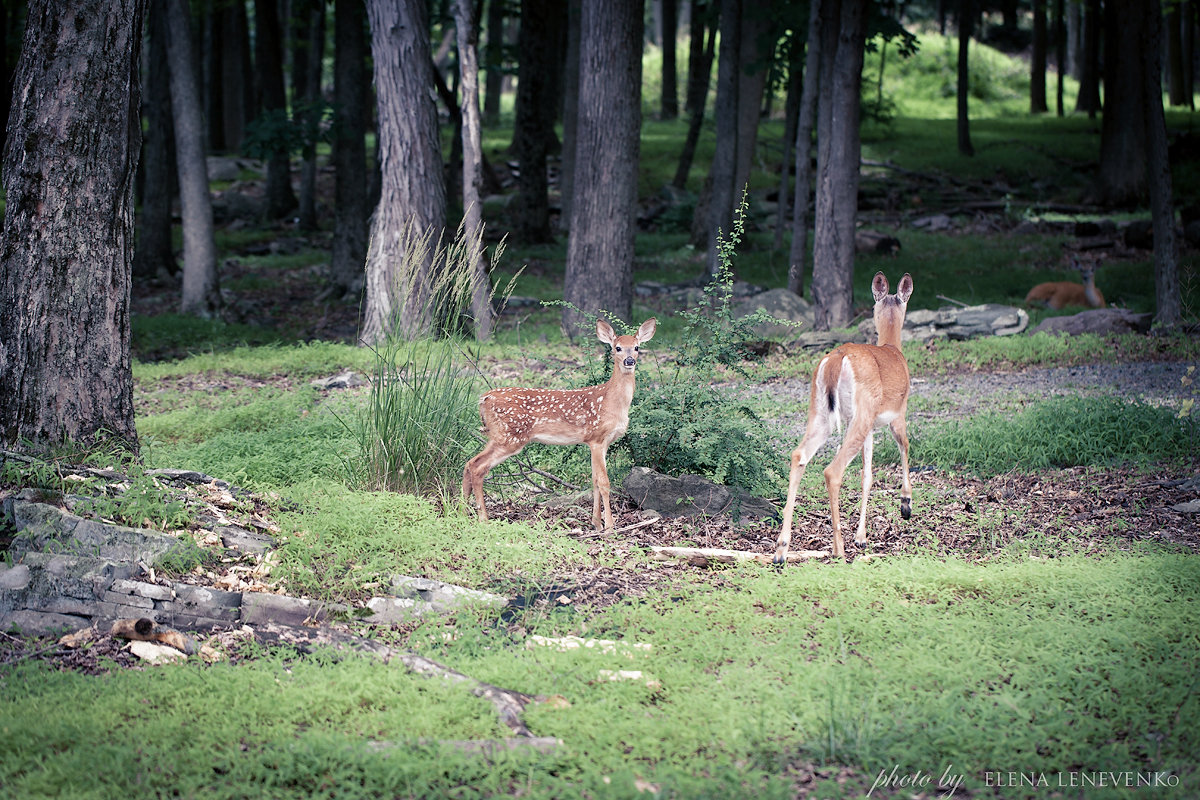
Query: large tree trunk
x=838, y=156
x=349, y=148
x=200, y=294
x=719, y=212
x=494, y=58
x=752, y=81
x=542, y=23
x=804, y=125
x=308, y=53
x=155, y=254
x=1059, y=35
x=213, y=66
x=1122, y=174
x=400, y=276
x=566, y=175
x=280, y=198
x=1174, y=35
x=699, y=76
x=466, y=23
x=1037, y=63
x=670, y=89
x=237, y=92
x=791, y=108
x=1166, y=253
x=1088, y=99
x=66, y=248
x=604, y=210
x=966, y=16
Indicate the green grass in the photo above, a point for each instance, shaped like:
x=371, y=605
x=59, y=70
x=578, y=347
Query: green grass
x=1071, y=665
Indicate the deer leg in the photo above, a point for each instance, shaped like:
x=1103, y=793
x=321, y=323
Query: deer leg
x=851, y=445
x=868, y=447
x=600, y=489
x=814, y=437
x=478, y=468
x=900, y=434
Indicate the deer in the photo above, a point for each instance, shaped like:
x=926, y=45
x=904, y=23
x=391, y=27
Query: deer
x=596, y=416
x=861, y=386
x=1060, y=294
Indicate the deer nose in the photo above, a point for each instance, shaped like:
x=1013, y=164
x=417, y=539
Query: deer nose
x=630, y=361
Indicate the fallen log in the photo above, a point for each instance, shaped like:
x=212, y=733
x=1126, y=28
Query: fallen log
x=146, y=630
x=703, y=556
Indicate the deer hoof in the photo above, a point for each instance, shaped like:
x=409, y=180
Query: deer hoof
x=905, y=507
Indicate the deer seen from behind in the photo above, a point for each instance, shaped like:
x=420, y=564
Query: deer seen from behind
x=1060, y=294
x=861, y=387
x=596, y=416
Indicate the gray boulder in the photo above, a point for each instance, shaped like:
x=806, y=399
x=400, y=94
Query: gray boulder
x=692, y=496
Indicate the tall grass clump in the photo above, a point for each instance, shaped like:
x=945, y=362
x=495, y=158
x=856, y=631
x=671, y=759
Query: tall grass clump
x=418, y=426
x=1059, y=432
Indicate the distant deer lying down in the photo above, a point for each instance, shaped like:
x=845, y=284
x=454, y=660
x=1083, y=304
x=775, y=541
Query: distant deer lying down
x=596, y=416
x=1060, y=294
x=861, y=386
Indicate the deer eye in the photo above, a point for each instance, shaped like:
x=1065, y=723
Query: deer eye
x=618, y=348
x=637, y=349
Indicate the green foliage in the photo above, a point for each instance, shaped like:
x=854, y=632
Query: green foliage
x=143, y=503
x=419, y=424
x=1058, y=432
x=274, y=133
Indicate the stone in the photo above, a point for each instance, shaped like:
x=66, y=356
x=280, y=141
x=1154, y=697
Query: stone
x=691, y=496
x=259, y=608
x=1099, y=321
x=40, y=623
x=46, y=528
x=794, y=312
x=343, y=380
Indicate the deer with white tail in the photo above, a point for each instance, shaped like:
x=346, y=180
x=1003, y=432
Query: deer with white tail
x=596, y=416
x=860, y=386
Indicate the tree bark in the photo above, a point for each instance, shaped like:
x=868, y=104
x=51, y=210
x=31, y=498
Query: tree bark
x=466, y=23
x=400, y=278
x=791, y=109
x=200, y=294
x=1122, y=174
x=1088, y=99
x=1060, y=55
x=670, y=89
x=838, y=155
x=798, y=253
x=566, y=175
x=280, y=199
x=308, y=53
x=537, y=103
x=66, y=248
x=1174, y=36
x=237, y=92
x=600, y=250
x=494, y=58
x=155, y=254
x=349, y=150
x=1166, y=252
x=723, y=169
x=699, y=76
x=1037, y=63
x=965, y=21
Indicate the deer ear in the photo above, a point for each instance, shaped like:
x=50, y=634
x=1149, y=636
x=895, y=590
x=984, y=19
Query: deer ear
x=646, y=332
x=604, y=332
x=879, y=286
x=905, y=289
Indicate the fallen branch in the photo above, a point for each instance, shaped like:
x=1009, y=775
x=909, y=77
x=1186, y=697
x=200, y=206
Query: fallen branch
x=508, y=703
x=144, y=630
x=703, y=556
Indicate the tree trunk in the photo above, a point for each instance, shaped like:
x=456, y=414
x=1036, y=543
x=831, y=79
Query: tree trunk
x=700, y=74
x=723, y=169
x=237, y=74
x=209, y=44
x=1037, y=63
x=752, y=81
x=1060, y=55
x=600, y=250
x=533, y=132
x=798, y=253
x=965, y=21
x=566, y=175
x=280, y=199
x=701, y=15
x=308, y=53
x=791, y=108
x=200, y=294
x=349, y=150
x=66, y=248
x=494, y=58
x=670, y=89
x=1122, y=173
x=1166, y=252
x=466, y=23
x=1174, y=37
x=155, y=254
x=838, y=155
x=1088, y=99
x=400, y=275
x=1189, y=51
